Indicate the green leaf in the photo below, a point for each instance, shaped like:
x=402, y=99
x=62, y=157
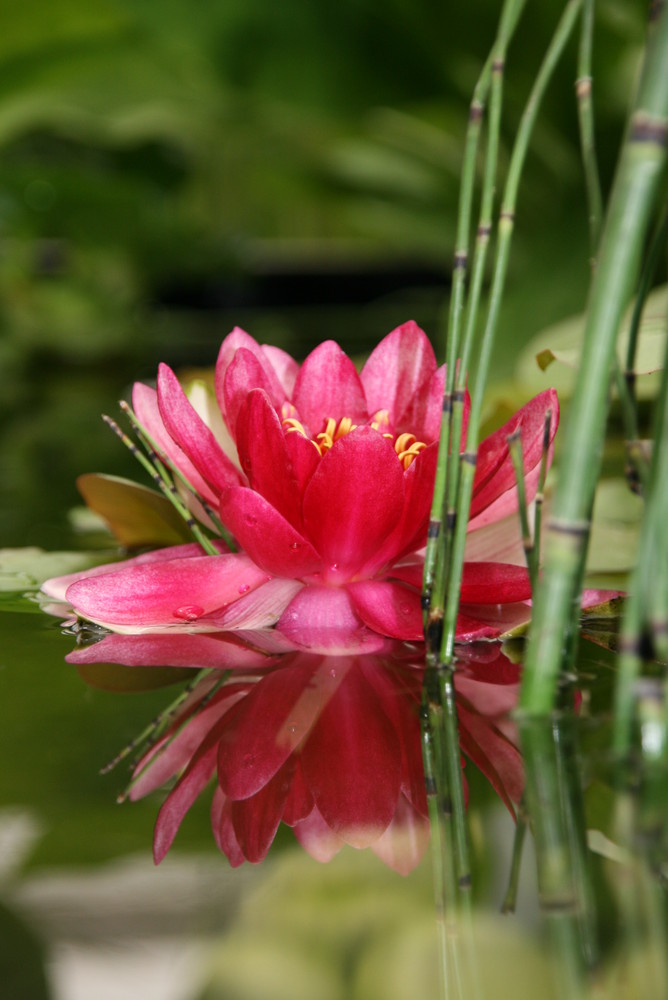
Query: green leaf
x=139, y=517
x=119, y=678
x=28, y=568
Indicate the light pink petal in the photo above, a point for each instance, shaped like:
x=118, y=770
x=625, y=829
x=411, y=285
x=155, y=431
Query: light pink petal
x=494, y=486
x=323, y=620
x=255, y=820
x=223, y=830
x=285, y=367
x=389, y=608
x=591, y=599
x=265, y=458
x=201, y=649
x=494, y=583
x=402, y=846
x=145, y=406
x=328, y=386
x=165, y=593
x=273, y=720
x=57, y=585
x=498, y=541
x=260, y=608
x=352, y=762
x=397, y=371
x=271, y=541
x=266, y=376
x=188, y=430
x=491, y=621
x=498, y=759
x=353, y=501
x=317, y=838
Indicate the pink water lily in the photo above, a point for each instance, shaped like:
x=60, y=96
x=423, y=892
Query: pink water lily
x=324, y=478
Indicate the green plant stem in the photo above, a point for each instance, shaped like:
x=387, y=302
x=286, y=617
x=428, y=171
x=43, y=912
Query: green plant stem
x=583, y=90
x=631, y=204
x=505, y=232
x=437, y=539
x=517, y=458
x=510, y=899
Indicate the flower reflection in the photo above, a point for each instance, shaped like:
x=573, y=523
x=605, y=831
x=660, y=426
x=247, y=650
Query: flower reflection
x=324, y=479
x=328, y=745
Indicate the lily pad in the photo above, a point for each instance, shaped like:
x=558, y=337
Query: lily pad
x=138, y=516
x=27, y=568
x=558, y=348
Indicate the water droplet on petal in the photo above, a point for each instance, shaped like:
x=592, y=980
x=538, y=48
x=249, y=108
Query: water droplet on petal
x=189, y=612
x=332, y=673
x=295, y=546
x=244, y=588
x=334, y=567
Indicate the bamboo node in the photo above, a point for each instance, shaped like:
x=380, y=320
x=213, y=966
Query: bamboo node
x=648, y=128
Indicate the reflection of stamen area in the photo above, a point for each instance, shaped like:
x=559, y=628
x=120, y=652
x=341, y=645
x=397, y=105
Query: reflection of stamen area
x=406, y=445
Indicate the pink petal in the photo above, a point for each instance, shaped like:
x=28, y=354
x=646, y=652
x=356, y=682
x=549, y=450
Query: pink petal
x=147, y=411
x=264, y=456
x=195, y=778
x=323, y=620
x=266, y=536
x=353, y=502
x=304, y=458
x=191, y=434
x=317, y=837
x=493, y=754
x=169, y=592
x=285, y=367
x=245, y=374
x=397, y=371
x=260, y=608
x=491, y=621
x=273, y=720
x=267, y=377
x=494, y=583
x=357, y=795
x=328, y=386
x=57, y=585
x=223, y=830
x=389, y=608
x=201, y=649
x=255, y=820
x=402, y=846
x=494, y=486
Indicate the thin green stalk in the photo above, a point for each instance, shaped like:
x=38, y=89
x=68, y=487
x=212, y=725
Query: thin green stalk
x=646, y=613
x=166, y=488
x=631, y=205
x=583, y=90
x=505, y=232
x=539, y=499
x=510, y=899
x=436, y=539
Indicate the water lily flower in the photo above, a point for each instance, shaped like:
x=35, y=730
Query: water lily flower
x=324, y=478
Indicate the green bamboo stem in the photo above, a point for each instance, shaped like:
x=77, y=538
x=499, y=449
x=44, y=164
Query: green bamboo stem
x=583, y=90
x=505, y=232
x=539, y=499
x=631, y=204
x=510, y=899
x=517, y=458
x=436, y=539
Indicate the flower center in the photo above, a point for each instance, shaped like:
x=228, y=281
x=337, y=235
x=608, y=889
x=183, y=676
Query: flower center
x=406, y=445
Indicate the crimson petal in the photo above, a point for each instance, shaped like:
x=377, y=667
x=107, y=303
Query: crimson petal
x=328, y=386
x=353, y=501
x=255, y=820
x=396, y=372
x=494, y=583
x=352, y=761
x=271, y=541
x=389, y=608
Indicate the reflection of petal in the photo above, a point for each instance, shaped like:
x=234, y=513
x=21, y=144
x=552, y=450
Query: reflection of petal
x=255, y=820
x=220, y=651
x=317, y=837
x=404, y=842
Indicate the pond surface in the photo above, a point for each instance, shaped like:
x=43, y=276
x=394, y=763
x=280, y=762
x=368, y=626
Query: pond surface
x=81, y=897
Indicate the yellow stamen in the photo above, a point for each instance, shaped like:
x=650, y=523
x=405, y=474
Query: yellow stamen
x=406, y=445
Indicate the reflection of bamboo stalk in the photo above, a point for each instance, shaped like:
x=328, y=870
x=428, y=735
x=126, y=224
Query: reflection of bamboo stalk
x=561, y=878
x=631, y=204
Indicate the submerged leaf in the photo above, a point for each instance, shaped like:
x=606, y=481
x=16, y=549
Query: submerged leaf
x=138, y=516
x=27, y=568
